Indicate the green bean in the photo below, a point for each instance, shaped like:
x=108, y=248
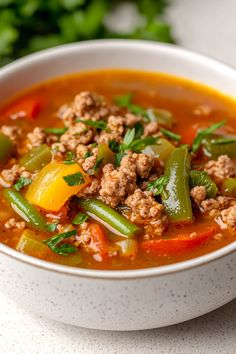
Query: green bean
x=25, y=210
x=213, y=149
x=109, y=216
x=201, y=178
x=176, y=197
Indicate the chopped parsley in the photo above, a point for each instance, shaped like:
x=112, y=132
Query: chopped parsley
x=64, y=249
x=51, y=227
x=202, y=134
x=22, y=182
x=99, y=124
x=56, y=131
x=74, y=180
x=125, y=101
x=222, y=141
x=170, y=134
x=79, y=219
x=114, y=146
x=157, y=186
x=136, y=145
x=69, y=158
x=87, y=154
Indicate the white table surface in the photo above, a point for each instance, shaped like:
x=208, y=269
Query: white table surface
x=207, y=26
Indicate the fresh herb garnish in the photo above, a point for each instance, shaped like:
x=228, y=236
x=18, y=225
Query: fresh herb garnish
x=69, y=158
x=98, y=124
x=51, y=227
x=139, y=130
x=170, y=134
x=202, y=134
x=136, y=145
x=79, y=219
x=22, y=182
x=157, y=187
x=125, y=101
x=74, y=180
x=222, y=141
x=63, y=249
x=87, y=154
x=56, y=131
x=114, y=146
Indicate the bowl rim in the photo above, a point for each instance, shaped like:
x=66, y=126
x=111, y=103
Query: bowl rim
x=133, y=273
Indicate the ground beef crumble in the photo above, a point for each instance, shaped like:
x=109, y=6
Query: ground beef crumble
x=198, y=194
x=222, y=168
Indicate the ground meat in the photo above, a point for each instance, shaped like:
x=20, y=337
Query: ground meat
x=116, y=124
x=214, y=206
x=13, y=224
x=90, y=161
x=77, y=134
x=151, y=128
x=144, y=164
x=9, y=176
x=145, y=208
x=91, y=189
x=13, y=132
x=58, y=151
x=36, y=137
x=105, y=138
x=81, y=152
x=84, y=237
x=131, y=119
x=67, y=114
x=117, y=183
x=228, y=217
x=90, y=105
x=198, y=194
x=220, y=169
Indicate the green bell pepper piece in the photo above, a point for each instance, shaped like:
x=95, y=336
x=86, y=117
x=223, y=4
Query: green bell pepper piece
x=6, y=148
x=109, y=216
x=214, y=150
x=229, y=187
x=37, y=158
x=176, y=196
x=201, y=178
x=25, y=210
x=161, y=150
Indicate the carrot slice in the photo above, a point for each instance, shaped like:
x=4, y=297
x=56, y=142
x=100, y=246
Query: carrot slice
x=99, y=241
x=29, y=107
x=179, y=244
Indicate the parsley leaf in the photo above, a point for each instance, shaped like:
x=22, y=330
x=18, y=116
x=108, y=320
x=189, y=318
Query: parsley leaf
x=22, y=182
x=79, y=219
x=56, y=131
x=69, y=158
x=125, y=101
x=99, y=124
x=51, y=227
x=74, y=180
x=204, y=133
x=157, y=187
x=170, y=134
x=114, y=145
x=63, y=249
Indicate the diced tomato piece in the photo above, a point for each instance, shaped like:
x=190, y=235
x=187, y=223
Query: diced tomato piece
x=29, y=107
x=99, y=240
x=180, y=243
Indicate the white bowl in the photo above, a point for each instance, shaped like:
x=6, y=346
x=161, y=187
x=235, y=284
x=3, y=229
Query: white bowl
x=118, y=300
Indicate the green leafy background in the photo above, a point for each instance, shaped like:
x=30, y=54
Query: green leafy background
x=30, y=25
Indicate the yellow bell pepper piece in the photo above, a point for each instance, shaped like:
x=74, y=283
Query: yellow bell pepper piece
x=50, y=191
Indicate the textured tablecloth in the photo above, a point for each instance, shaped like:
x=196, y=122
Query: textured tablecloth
x=207, y=26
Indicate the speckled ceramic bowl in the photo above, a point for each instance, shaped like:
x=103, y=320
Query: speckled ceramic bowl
x=118, y=300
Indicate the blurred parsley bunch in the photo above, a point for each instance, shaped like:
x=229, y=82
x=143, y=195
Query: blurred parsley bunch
x=30, y=25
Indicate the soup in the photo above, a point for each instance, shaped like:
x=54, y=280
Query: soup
x=118, y=169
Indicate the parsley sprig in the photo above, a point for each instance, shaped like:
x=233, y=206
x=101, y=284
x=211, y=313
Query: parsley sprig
x=22, y=182
x=133, y=144
x=157, y=186
x=171, y=135
x=56, y=245
x=99, y=124
x=202, y=134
